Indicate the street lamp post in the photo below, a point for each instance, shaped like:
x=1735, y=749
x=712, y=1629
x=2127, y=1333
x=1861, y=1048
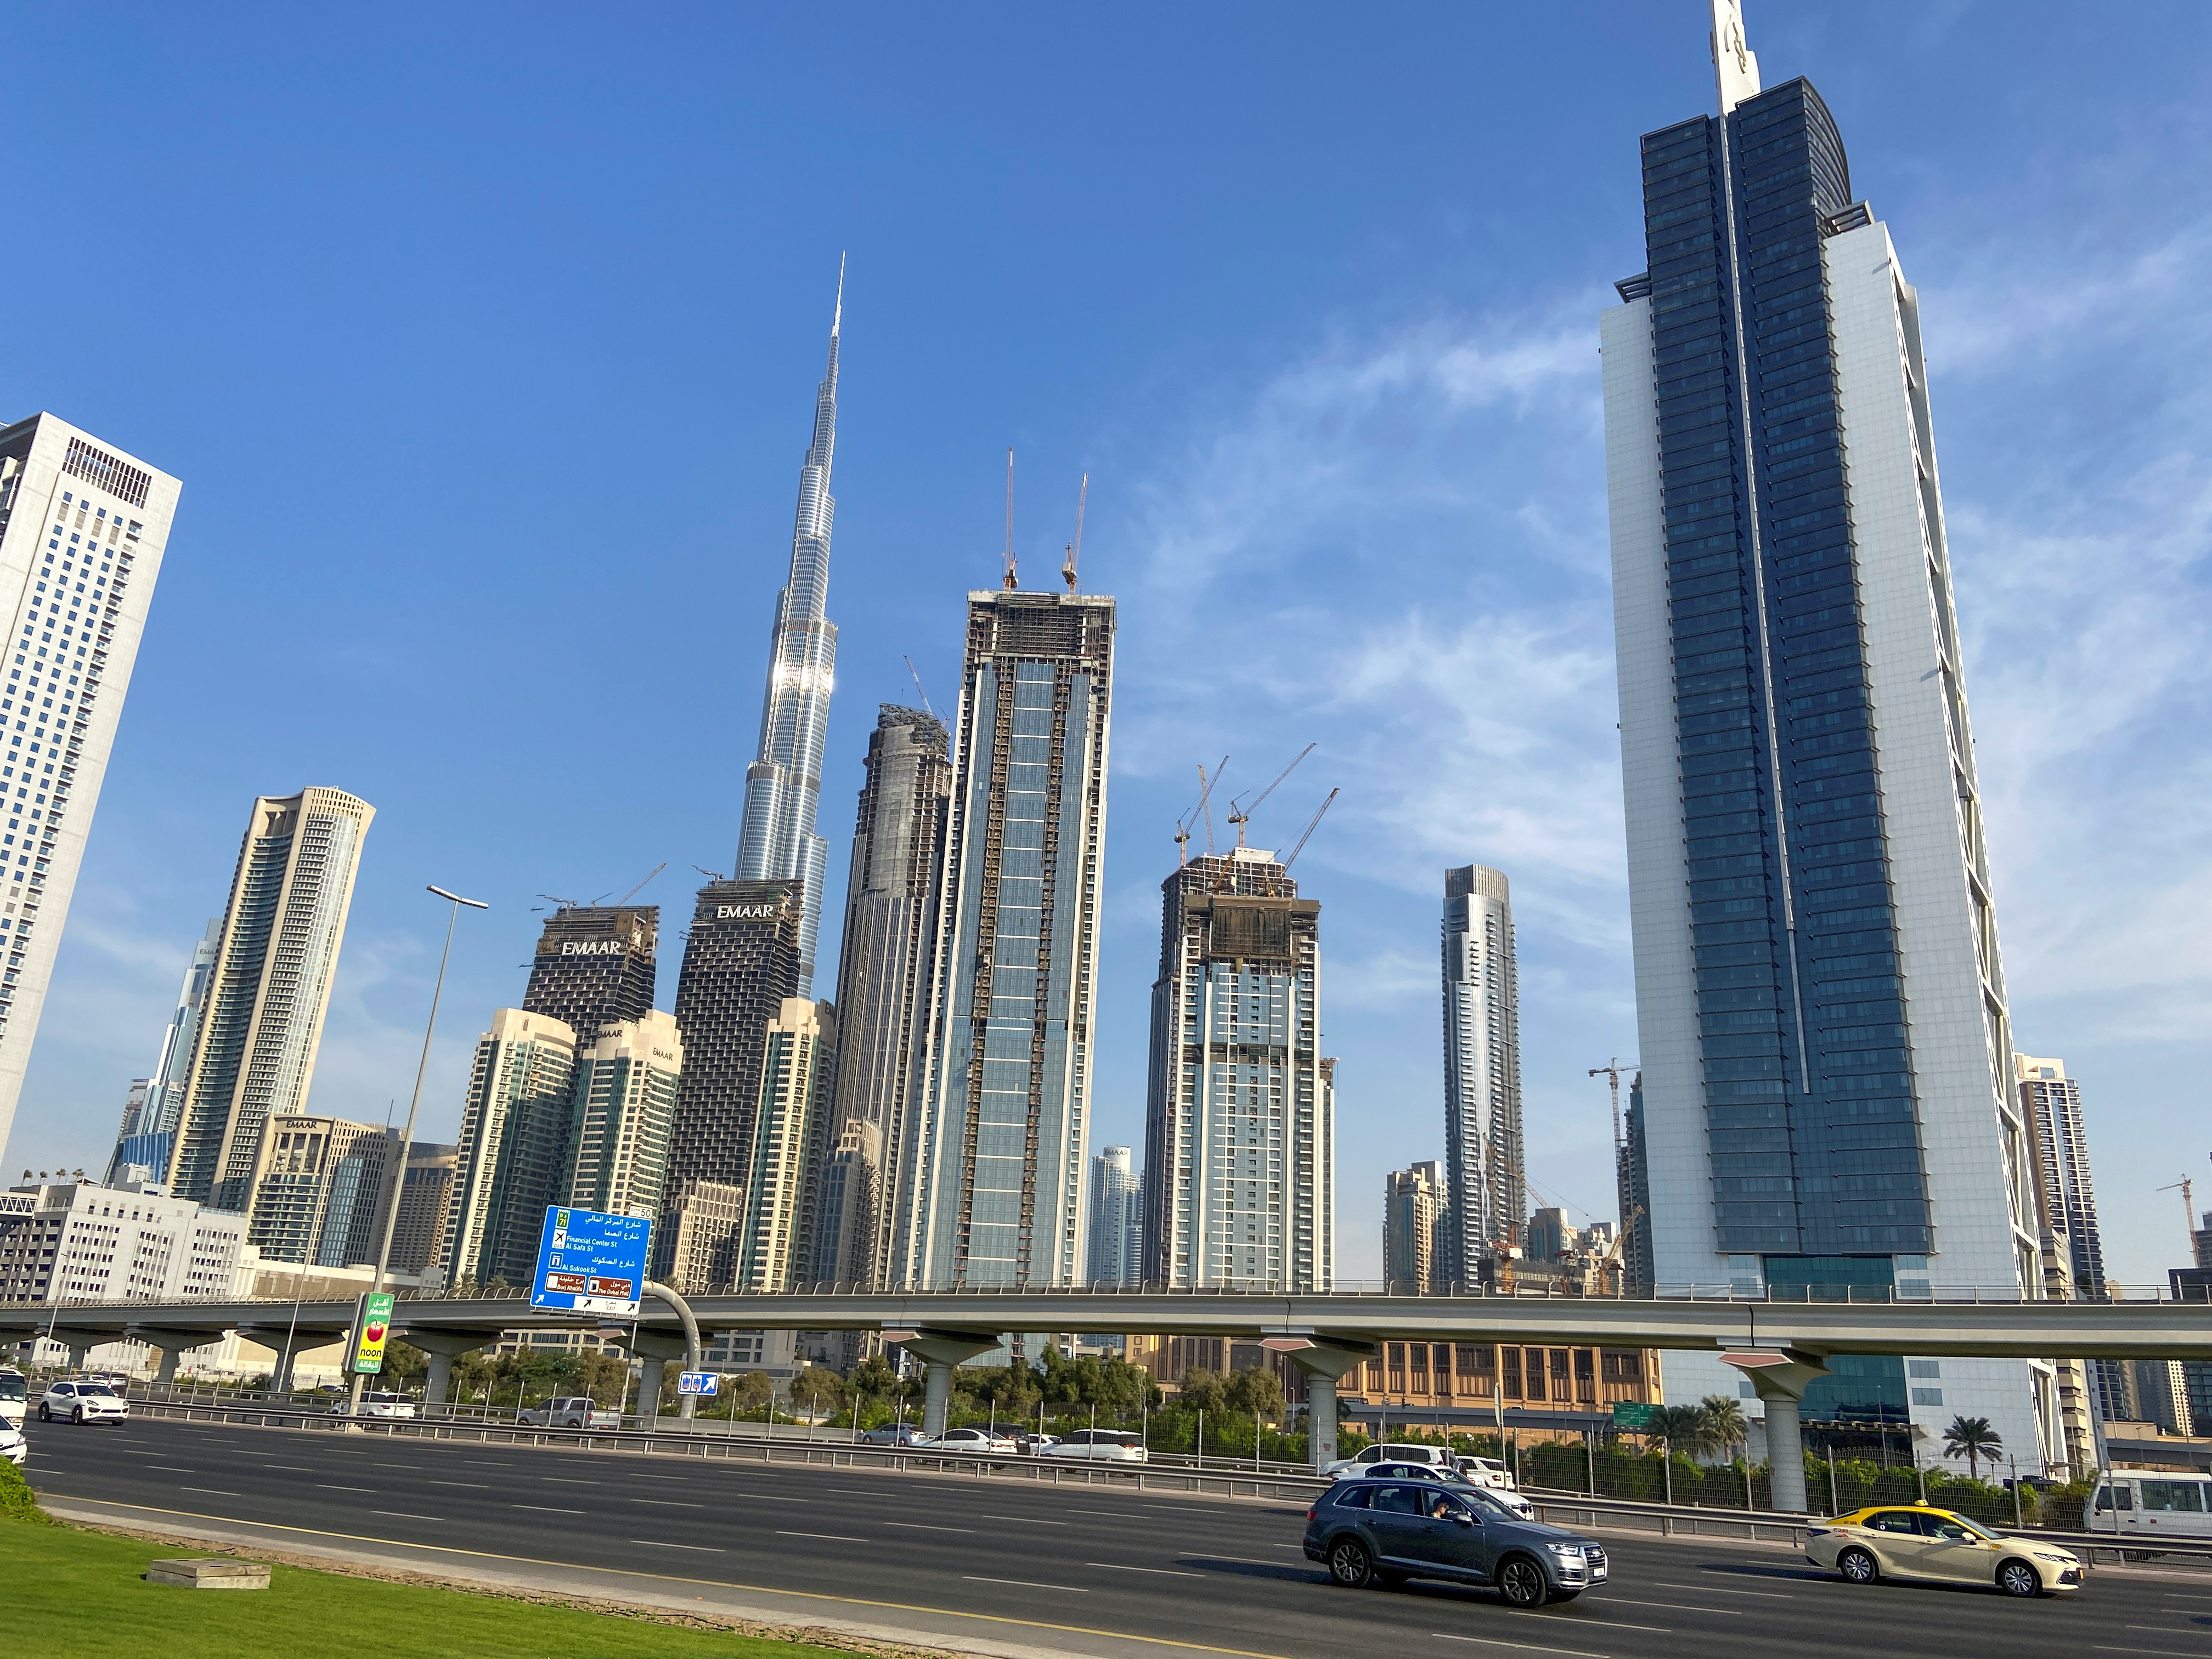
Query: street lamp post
x=407, y=1136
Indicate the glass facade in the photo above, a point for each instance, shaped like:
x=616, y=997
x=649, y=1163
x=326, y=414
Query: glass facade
x=1809, y=1097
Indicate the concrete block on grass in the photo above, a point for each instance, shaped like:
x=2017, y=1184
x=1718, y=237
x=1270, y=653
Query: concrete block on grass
x=213, y=1573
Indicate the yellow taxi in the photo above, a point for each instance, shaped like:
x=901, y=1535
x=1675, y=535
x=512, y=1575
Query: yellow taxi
x=1912, y=1540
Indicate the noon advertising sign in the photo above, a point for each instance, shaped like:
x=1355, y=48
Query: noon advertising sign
x=372, y=1329
x=589, y=1261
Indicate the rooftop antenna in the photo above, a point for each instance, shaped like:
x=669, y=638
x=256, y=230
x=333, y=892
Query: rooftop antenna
x=1075, y=547
x=1312, y=824
x=1010, y=519
x=914, y=675
x=1241, y=818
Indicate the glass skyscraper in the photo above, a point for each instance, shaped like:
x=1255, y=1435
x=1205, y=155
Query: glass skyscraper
x=1827, y=1104
x=1485, y=1189
x=993, y=1179
x=784, y=783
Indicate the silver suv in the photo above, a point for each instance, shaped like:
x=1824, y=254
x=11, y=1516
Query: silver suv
x=1384, y=1532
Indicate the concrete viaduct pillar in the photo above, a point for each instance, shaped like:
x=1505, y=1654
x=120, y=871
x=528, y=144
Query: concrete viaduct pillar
x=940, y=1351
x=1781, y=1376
x=1324, y=1360
x=444, y=1344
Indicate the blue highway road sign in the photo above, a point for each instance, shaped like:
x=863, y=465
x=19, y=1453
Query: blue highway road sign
x=590, y=1262
x=706, y=1382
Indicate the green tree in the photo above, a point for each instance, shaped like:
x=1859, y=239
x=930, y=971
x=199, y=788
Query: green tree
x=1725, y=1427
x=1682, y=1427
x=1258, y=1392
x=1973, y=1439
x=1202, y=1390
x=817, y=1390
x=754, y=1392
x=875, y=1375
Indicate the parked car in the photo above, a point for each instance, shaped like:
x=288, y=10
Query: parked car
x=13, y=1446
x=1032, y=1444
x=1385, y=1532
x=576, y=1412
x=904, y=1434
x=376, y=1402
x=1511, y=1502
x=1387, y=1453
x=1487, y=1472
x=15, y=1392
x=1104, y=1445
x=1914, y=1541
x=974, y=1440
x=83, y=1402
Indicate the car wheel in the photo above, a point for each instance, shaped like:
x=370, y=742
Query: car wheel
x=2017, y=1577
x=45, y=1416
x=1522, y=1582
x=1350, y=1565
x=77, y=1416
x=1859, y=1567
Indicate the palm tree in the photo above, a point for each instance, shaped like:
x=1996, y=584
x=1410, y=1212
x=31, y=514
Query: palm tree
x=1725, y=1423
x=1682, y=1427
x=1973, y=1439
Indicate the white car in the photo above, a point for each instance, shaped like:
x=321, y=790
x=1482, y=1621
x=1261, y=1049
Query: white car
x=974, y=1440
x=83, y=1402
x=13, y=1446
x=1487, y=1472
x=1401, y=1453
x=377, y=1403
x=14, y=1391
x=1104, y=1445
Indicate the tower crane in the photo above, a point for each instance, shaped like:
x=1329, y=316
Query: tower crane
x=1182, y=825
x=1312, y=824
x=1010, y=519
x=2188, y=1209
x=1611, y=1071
x=1075, y=547
x=639, y=888
x=555, y=899
x=1241, y=818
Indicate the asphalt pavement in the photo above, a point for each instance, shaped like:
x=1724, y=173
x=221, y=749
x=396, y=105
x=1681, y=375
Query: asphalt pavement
x=1010, y=1566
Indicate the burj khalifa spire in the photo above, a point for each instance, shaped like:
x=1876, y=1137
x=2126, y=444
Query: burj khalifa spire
x=784, y=782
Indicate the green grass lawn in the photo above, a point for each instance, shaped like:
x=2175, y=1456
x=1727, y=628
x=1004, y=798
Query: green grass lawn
x=64, y=1592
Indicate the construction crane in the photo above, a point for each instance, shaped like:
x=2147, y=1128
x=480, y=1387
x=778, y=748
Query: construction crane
x=1241, y=818
x=1010, y=519
x=2188, y=1211
x=639, y=888
x=1183, y=823
x=915, y=675
x=711, y=875
x=555, y=898
x=1075, y=547
x=1312, y=824
x=1611, y=1071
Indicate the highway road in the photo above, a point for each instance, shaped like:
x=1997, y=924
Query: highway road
x=1041, y=1568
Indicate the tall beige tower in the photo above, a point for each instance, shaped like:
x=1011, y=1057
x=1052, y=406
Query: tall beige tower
x=255, y=1056
x=83, y=527
x=625, y=1106
x=797, y=1078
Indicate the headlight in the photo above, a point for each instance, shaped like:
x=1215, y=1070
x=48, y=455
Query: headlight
x=1572, y=1551
x=2053, y=1555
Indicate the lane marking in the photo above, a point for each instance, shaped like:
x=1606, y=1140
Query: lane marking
x=2169, y=1653
x=473, y=1486
x=834, y=1537
x=1026, y=1584
x=678, y=1478
x=655, y=1543
x=402, y=1515
x=1164, y=1572
x=720, y=1583
x=768, y=1497
x=171, y=1468
x=1525, y=1646
x=917, y=1526
x=2165, y=1630
x=210, y=1491
x=1027, y=1521
x=565, y=1480
x=293, y=1468
x=1620, y=1623
x=1677, y=1607
x=1715, y=1589
x=1111, y=1515
x=543, y=1509
x=324, y=1486
x=667, y=1503
x=1248, y=1560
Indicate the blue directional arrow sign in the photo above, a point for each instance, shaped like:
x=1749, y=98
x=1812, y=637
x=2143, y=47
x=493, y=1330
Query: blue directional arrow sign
x=702, y=1383
x=589, y=1261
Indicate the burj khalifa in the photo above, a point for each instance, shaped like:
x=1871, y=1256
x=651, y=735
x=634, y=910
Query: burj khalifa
x=784, y=782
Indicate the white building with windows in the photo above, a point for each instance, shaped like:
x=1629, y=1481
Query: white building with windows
x=1484, y=1200
x=83, y=527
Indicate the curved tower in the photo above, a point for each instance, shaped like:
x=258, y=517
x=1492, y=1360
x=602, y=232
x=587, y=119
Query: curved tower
x=784, y=782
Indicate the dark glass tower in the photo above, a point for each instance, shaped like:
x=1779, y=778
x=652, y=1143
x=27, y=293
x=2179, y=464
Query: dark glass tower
x=594, y=966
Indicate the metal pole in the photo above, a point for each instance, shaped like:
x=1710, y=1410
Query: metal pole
x=2016, y=1522
x=415, y=1105
x=1833, y=1502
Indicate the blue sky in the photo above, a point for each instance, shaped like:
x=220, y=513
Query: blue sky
x=485, y=340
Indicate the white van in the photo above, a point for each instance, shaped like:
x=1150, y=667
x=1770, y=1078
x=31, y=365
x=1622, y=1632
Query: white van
x=14, y=1396
x=1407, y=1452
x=2150, y=1505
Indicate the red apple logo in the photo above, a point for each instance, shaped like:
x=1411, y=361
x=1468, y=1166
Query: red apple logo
x=373, y=1333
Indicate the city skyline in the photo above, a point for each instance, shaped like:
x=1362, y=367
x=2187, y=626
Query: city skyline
x=384, y=983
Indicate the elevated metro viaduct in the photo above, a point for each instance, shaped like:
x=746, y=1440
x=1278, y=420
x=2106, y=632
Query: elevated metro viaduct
x=1781, y=1346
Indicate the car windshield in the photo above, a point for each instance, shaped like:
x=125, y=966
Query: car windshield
x=11, y=1388
x=95, y=1387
